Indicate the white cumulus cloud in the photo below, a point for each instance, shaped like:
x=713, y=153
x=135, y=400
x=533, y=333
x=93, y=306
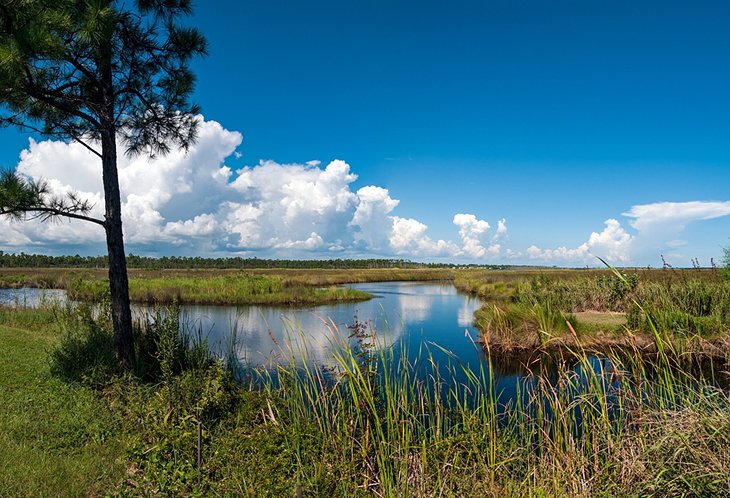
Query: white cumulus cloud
x=372, y=222
x=162, y=198
x=313, y=242
x=472, y=232
x=279, y=205
x=408, y=236
x=612, y=244
x=196, y=204
x=501, y=230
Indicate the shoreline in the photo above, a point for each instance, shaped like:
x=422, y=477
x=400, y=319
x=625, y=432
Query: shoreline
x=696, y=351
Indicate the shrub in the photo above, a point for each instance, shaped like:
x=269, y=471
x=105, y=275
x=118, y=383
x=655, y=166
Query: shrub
x=85, y=352
x=164, y=349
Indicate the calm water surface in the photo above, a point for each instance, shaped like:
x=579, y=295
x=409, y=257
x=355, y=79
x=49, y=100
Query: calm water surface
x=410, y=314
x=402, y=314
x=30, y=298
x=415, y=316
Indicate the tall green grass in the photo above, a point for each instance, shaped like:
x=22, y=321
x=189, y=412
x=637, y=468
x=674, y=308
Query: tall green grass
x=595, y=428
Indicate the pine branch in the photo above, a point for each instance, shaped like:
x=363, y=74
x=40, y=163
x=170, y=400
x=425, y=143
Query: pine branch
x=22, y=198
x=45, y=214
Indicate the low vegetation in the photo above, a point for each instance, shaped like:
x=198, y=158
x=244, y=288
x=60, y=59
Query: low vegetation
x=186, y=423
x=594, y=414
x=280, y=287
x=603, y=309
x=45, y=278
x=243, y=289
x=55, y=437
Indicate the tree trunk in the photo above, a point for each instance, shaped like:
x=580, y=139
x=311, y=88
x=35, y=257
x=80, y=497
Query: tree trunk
x=118, y=283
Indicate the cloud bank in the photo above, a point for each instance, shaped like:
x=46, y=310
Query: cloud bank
x=657, y=227
x=195, y=203
x=674, y=215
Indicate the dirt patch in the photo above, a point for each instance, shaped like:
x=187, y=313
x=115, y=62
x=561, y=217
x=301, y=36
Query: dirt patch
x=606, y=318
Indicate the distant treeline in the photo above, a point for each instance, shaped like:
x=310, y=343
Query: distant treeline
x=23, y=260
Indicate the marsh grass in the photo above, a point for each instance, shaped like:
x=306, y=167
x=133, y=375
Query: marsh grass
x=221, y=290
x=219, y=287
x=592, y=427
x=61, y=278
x=44, y=278
x=554, y=310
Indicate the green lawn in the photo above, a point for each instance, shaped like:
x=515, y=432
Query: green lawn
x=56, y=439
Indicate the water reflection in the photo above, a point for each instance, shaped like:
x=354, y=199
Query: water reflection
x=469, y=306
x=268, y=335
x=265, y=335
x=403, y=314
x=25, y=297
x=414, y=309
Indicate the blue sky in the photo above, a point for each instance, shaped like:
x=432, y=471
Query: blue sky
x=554, y=116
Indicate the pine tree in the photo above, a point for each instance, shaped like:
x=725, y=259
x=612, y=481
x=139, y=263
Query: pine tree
x=97, y=72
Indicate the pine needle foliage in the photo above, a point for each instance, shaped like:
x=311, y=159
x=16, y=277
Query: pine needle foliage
x=97, y=72
x=53, y=56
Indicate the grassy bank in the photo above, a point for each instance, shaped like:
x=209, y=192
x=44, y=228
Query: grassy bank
x=56, y=438
x=232, y=287
x=60, y=278
x=242, y=289
x=366, y=426
x=604, y=309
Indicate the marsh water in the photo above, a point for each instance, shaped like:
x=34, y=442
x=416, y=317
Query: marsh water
x=418, y=317
x=403, y=314
x=411, y=315
x=429, y=323
x=30, y=298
